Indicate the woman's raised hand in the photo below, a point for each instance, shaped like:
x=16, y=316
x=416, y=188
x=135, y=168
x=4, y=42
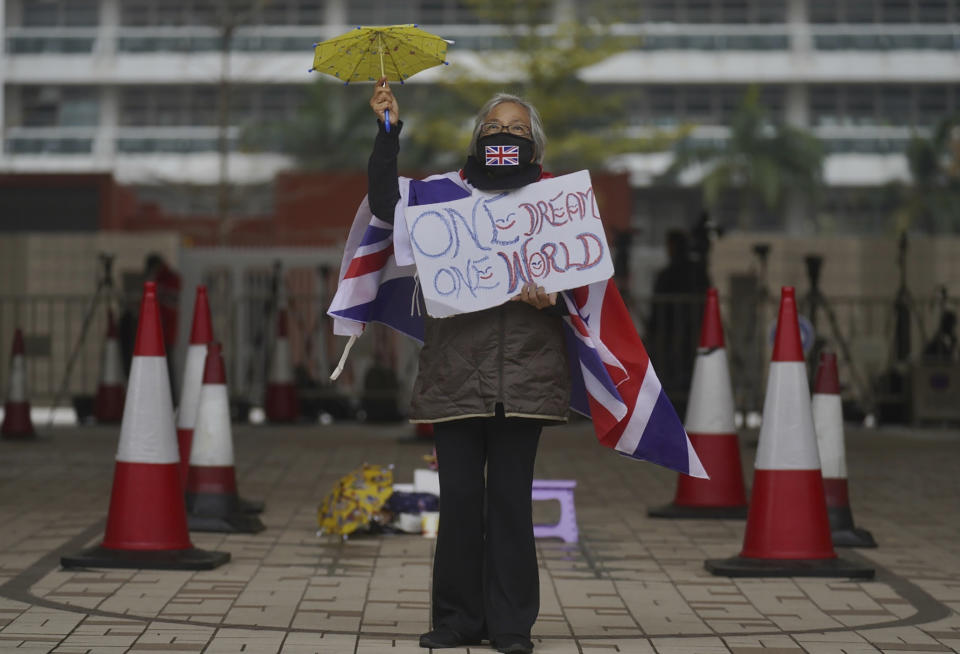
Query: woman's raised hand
x=384, y=100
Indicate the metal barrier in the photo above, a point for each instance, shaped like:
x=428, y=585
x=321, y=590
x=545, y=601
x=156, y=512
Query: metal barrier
x=860, y=329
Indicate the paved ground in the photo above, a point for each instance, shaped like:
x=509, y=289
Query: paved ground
x=633, y=584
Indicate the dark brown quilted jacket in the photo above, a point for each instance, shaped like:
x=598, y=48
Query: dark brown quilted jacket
x=514, y=354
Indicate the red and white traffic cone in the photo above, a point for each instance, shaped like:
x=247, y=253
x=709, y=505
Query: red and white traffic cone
x=828, y=423
x=710, y=425
x=201, y=334
x=212, y=501
x=788, y=533
x=147, y=520
x=108, y=405
x=17, y=424
x=281, y=403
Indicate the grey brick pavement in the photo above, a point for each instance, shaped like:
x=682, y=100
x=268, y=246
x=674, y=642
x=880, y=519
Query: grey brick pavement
x=633, y=584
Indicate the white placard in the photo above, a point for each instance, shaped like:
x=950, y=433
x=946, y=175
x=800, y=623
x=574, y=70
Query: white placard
x=477, y=252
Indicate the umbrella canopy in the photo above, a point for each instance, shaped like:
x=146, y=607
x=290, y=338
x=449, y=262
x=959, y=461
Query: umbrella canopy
x=355, y=499
x=366, y=54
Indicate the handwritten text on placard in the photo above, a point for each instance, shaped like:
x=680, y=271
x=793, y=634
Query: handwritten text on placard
x=477, y=252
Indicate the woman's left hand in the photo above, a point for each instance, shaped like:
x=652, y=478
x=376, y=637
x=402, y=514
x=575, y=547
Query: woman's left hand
x=535, y=296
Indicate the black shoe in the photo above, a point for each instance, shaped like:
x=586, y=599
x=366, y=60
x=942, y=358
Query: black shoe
x=444, y=638
x=513, y=644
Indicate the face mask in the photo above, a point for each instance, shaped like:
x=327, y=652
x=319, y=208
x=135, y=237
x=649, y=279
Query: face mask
x=504, y=154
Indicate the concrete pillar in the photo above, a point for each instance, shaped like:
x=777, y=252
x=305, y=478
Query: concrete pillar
x=798, y=210
x=108, y=30
x=336, y=14
x=105, y=144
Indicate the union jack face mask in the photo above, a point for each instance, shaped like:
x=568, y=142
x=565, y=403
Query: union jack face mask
x=501, y=155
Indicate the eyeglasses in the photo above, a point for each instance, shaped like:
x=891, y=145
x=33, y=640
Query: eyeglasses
x=493, y=127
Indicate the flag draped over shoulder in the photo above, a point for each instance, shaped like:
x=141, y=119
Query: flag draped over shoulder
x=613, y=381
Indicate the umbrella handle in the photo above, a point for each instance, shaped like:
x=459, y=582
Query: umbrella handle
x=386, y=120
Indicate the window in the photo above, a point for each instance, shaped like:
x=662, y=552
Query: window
x=135, y=13
x=60, y=13
x=859, y=11
x=699, y=11
x=861, y=103
x=895, y=105
x=55, y=106
x=734, y=11
x=823, y=11
x=380, y=12
x=933, y=103
x=134, y=107
x=933, y=11
x=697, y=104
x=895, y=11
x=659, y=11
x=825, y=105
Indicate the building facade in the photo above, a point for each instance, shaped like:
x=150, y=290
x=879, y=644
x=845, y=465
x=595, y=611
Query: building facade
x=130, y=87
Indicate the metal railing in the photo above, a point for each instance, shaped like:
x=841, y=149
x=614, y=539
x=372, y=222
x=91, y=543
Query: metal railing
x=860, y=329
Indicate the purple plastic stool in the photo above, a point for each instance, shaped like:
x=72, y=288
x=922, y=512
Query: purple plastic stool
x=562, y=491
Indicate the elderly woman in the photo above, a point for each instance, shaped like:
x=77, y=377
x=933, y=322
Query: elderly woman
x=488, y=382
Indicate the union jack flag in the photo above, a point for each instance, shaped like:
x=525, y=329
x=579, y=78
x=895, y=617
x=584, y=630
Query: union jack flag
x=613, y=381
x=502, y=155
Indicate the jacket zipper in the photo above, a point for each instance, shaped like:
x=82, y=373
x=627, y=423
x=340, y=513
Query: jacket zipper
x=503, y=331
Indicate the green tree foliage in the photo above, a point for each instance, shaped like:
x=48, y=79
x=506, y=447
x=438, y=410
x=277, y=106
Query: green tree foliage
x=761, y=161
x=932, y=202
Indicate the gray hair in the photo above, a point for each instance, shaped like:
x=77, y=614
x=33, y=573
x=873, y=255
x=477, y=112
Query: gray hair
x=536, y=125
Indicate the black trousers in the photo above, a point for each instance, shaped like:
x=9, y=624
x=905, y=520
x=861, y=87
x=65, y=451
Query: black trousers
x=485, y=577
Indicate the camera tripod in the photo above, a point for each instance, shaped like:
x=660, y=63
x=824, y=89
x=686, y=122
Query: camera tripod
x=104, y=293
x=815, y=301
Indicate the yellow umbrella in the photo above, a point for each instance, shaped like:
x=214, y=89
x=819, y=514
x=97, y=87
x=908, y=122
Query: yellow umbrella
x=355, y=499
x=369, y=53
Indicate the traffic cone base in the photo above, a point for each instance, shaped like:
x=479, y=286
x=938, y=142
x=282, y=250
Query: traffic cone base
x=842, y=529
x=250, y=506
x=739, y=566
x=220, y=513
x=104, y=557
x=17, y=424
